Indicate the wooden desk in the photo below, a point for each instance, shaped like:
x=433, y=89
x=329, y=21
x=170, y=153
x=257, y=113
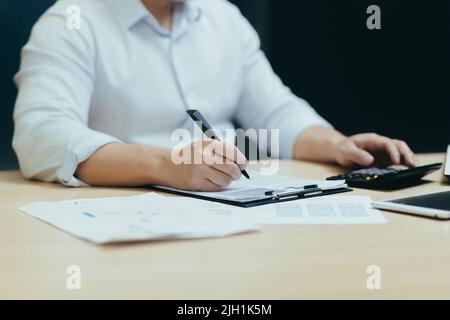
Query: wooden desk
x=281, y=262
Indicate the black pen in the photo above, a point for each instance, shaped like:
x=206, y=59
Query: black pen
x=207, y=129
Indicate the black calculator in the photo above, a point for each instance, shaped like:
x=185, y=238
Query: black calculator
x=386, y=179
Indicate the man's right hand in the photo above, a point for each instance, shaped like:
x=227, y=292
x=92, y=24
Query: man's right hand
x=126, y=165
x=211, y=166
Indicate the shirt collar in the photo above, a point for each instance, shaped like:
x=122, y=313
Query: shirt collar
x=133, y=11
x=130, y=12
x=193, y=10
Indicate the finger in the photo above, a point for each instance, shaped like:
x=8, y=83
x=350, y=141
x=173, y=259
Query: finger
x=375, y=141
x=232, y=170
x=231, y=153
x=409, y=159
x=355, y=155
x=392, y=150
x=209, y=186
x=220, y=163
x=218, y=177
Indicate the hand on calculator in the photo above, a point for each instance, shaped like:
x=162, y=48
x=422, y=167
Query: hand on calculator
x=370, y=149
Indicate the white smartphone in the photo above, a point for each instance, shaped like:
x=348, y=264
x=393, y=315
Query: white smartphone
x=434, y=205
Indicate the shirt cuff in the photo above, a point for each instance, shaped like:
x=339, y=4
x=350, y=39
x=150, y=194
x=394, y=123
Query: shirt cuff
x=79, y=153
x=293, y=127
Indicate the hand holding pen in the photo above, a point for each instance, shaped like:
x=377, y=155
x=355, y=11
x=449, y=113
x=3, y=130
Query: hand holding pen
x=198, y=118
x=208, y=165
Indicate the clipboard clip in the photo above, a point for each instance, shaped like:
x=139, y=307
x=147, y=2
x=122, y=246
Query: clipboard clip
x=306, y=191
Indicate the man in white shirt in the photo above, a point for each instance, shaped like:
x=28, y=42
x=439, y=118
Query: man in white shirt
x=97, y=104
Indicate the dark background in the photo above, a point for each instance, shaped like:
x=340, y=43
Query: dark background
x=394, y=81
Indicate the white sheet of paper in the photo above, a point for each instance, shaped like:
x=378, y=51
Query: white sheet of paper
x=137, y=218
x=339, y=210
x=254, y=189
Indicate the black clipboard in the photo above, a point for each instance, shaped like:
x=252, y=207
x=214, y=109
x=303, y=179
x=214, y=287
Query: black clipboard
x=307, y=193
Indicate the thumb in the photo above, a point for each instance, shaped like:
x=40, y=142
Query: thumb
x=359, y=156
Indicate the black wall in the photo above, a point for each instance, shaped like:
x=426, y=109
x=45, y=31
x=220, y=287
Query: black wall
x=394, y=81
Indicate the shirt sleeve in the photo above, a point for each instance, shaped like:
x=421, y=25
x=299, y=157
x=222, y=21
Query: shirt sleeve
x=266, y=103
x=55, y=82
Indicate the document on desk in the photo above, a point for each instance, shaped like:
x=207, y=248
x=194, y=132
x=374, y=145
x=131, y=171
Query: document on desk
x=255, y=188
x=331, y=210
x=137, y=218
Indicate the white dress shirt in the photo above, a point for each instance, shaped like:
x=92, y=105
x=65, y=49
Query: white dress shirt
x=123, y=78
